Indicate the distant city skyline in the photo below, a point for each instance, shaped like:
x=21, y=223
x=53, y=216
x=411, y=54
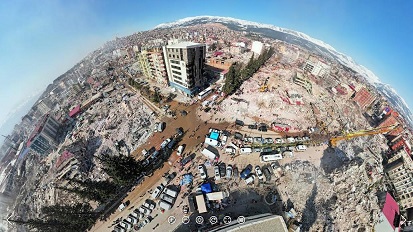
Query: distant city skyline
x=40, y=42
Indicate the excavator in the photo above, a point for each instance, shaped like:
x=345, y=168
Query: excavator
x=351, y=135
x=264, y=86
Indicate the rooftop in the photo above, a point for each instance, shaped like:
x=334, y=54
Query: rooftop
x=185, y=44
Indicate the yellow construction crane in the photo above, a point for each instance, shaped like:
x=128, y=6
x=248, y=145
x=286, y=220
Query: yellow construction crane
x=374, y=131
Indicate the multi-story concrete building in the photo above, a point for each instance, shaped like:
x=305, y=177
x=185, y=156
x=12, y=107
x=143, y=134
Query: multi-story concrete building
x=157, y=66
x=44, y=138
x=185, y=66
x=316, y=66
x=400, y=172
x=144, y=63
x=152, y=65
x=44, y=106
x=300, y=80
x=364, y=98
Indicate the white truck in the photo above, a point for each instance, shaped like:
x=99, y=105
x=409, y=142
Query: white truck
x=170, y=192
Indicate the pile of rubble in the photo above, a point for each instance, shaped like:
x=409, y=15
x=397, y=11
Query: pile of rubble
x=343, y=200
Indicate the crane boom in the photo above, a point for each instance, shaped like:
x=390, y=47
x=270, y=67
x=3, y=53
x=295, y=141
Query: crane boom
x=374, y=131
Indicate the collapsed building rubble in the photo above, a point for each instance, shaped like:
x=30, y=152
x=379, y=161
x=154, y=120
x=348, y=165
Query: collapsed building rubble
x=342, y=199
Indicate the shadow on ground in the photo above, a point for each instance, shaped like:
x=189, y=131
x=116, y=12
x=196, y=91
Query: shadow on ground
x=310, y=211
x=331, y=160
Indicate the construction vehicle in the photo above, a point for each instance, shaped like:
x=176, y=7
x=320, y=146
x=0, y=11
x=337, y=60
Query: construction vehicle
x=350, y=135
x=264, y=86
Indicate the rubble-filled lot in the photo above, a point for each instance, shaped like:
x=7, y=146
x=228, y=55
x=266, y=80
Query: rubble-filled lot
x=338, y=195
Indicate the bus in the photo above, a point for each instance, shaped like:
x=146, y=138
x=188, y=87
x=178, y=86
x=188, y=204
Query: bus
x=204, y=93
x=270, y=157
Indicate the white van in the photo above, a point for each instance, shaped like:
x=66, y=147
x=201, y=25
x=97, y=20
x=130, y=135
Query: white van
x=301, y=147
x=180, y=150
x=165, y=205
x=167, y=198
x=245, y=150
x=270, y=157
x=170, y=192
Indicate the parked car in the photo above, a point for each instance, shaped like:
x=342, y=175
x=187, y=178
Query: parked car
x=135, y=215
x=306, y=138
x=298, y=139
x=266, y=149
x=132, y=220
x=246, y=171
x=259, y=172
x=229, y=171
x=238, y=135
x=250, y=179
x=172, y=143
x=127, y=225
x=202, y=171
x=140, y=215
x=156, y=126
x=290, y=140
x=279, y=140
x=179, y=131
x=216, y=171
x=253, y=126
x=186, y=160
x=267, y=173
x=235, y=172
x=161, y=126
x=301, y=147
x=165, y=142
x=149, y=205
x=145, y=210
x=180, y=150
x=222, y=169
x=262, y=128
x=269, y=140
x=122, y=207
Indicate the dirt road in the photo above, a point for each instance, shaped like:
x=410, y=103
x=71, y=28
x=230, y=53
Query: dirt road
x=195, y=131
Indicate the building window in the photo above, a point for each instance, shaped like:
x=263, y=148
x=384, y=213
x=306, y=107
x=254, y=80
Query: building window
x=177, y=77
x=178, y=82
x=176, y=67
x=174, y=62
x=176, y=72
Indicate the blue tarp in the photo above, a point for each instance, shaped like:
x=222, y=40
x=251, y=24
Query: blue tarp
x=186, y=179
x=206, y=188
x=214, y=135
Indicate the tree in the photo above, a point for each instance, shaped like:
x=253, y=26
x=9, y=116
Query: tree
x=64, y=218
x=122, y=169
x=100, y=191
x=237, y=75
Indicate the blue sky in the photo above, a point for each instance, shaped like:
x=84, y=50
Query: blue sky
x=41, y=40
